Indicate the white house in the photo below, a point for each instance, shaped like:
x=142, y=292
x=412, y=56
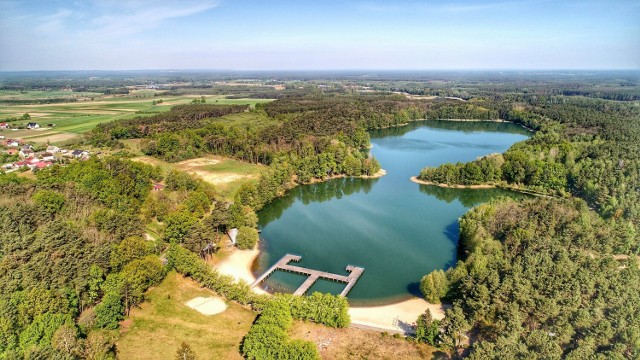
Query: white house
x=52, y=149
x=25, y=153
x=33, y=125
x=48, y=156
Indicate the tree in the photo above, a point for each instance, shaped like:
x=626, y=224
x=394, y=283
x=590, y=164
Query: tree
x=434, y=286
x=185, y=352
x=129, y=249
x=178, y=224
x=247, y=238
x=50, y=202
x=427, y=329
x=65, y=339
x=110, y=311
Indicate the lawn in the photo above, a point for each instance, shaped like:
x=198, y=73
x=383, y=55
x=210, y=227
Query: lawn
x=227, y=175
x=156, y=330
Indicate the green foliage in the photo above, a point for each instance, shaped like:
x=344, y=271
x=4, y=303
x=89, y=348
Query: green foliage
x=434, y=286
x=110, y=311
x=553, y=263
x=428, y=329
x=268, y=338
x=41, y=330
x=129, y=249
x=177, y=226
x=247, y=238
x=49, y=201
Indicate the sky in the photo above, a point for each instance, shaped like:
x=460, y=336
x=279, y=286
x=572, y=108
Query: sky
x=318, y=34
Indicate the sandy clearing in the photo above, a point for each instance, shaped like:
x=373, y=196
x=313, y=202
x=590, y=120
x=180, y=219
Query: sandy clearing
x=217, y=179
x=198, y=162
x=207, y=305
x=396, y=317
x=239, y=265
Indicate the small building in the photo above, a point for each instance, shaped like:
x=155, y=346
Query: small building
x=27, y=147
x=33, y=125
x=42, y=164
x=25, y=153
x=13, y=143
x=233, y=233
x=158, y=187
x=80, y=154
x=48, y=156
x=12, y=151
x=4, y=125
x=52, y=149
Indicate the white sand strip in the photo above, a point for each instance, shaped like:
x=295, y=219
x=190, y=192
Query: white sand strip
x=207, y=305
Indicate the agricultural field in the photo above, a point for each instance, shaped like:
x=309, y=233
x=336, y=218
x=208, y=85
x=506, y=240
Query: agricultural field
x=70, y=120
x=164, y=321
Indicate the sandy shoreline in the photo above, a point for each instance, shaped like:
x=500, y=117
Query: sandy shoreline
x=393, y=317
x=481, y=186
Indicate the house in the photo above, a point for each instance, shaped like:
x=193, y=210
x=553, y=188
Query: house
x=1, y=137
x=27, y=147
x=76, y=153
x=48, y=156
x=4, y=125
x=42, y=164
x=33, y=125
x=53, y=149
x=25, y=153
x=158, y=187
x=14, y=143
x=8, y=166
x=12, y=151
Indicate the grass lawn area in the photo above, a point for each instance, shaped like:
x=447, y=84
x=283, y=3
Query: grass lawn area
x=227, y=175
x=156, y=330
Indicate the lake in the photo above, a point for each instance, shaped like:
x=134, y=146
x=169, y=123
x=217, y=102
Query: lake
x=394, y=228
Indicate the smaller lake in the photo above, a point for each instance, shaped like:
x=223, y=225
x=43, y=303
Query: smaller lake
x=396, y=229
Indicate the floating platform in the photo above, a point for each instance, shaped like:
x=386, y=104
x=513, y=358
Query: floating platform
x=313, y=275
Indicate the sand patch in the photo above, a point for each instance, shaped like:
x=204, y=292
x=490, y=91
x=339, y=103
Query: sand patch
x=198, y=162
x=207, y=305
x=217, y=179
x=239, y=265
x=396, y=317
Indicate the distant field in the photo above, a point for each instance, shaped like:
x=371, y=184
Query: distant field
x=156, y=330
x=75, y=118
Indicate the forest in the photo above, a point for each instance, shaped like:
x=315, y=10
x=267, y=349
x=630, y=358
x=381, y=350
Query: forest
x=553, y=276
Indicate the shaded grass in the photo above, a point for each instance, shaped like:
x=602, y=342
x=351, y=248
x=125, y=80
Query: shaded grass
x=156, y=330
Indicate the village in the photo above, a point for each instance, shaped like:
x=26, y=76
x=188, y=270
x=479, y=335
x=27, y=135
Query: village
x=27, y=156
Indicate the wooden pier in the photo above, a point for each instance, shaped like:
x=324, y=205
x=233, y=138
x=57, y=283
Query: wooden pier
x=313, y=275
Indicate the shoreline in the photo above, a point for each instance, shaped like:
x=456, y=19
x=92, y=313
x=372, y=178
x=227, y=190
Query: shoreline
x=380, y=173
x=453, y=186
x=481, y=186
x=394, y=317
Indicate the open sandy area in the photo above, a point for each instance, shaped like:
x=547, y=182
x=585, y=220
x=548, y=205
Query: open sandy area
x=395, y=317
x=238, y=265
x=207, y=305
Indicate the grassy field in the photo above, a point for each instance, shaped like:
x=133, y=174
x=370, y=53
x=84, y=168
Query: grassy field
x=156, y=330
x=352, y=343
x=227, y=175
x=163, y=322
x=72, y=119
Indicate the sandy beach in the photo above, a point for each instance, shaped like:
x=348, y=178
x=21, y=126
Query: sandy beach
x=393, y=317
x=238, y=265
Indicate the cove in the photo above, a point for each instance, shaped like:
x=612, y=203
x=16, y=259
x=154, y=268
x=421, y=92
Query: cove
x=396, y=229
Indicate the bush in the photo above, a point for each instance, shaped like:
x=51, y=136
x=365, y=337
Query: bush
x=434, y=286
x=247, y=238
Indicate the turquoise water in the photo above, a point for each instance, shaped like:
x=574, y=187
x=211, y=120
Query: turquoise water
x=396, y=229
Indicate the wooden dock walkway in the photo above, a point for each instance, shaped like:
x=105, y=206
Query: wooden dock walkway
x=313, y=275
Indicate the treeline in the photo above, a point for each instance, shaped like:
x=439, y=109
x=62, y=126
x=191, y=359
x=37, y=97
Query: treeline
x=542, y=279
